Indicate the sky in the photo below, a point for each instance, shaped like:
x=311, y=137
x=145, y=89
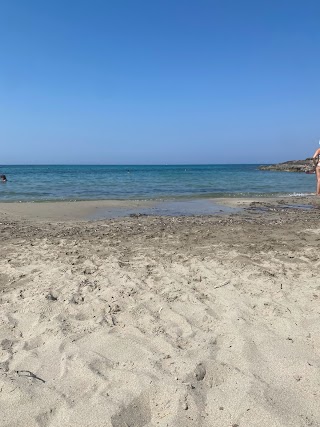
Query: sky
x=159, y=82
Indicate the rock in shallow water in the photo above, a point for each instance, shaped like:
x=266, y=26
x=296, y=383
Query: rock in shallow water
x=291, y=166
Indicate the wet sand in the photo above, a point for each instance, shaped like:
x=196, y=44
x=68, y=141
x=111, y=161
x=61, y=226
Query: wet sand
x=67, y=211
x=160, y=321
x=106, y=209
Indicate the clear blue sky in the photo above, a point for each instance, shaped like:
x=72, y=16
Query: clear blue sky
x=159, y=81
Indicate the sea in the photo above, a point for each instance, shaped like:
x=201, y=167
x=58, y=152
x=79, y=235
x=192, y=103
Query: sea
x=43, y=183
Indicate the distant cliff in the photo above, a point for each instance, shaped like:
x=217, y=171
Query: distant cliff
x=290, y=166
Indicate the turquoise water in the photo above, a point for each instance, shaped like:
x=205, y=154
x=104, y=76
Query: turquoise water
x=45, y=183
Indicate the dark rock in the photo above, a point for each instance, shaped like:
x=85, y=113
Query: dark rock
x=51, y=297
x=290, y=166
x=137, y=215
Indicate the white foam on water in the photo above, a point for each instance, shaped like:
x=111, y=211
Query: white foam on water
x=301, y=194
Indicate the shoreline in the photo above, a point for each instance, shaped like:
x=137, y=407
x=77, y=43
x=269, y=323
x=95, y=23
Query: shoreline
x=106, y=209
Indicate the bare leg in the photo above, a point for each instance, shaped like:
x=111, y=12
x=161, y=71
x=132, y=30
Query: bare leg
x=318, y=180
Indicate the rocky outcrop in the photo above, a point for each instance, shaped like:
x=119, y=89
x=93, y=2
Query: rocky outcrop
x=291, y=166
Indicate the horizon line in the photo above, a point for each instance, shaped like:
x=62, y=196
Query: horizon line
x=128, y=164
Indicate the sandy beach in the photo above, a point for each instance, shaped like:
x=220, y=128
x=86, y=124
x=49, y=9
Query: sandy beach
x=149, y=321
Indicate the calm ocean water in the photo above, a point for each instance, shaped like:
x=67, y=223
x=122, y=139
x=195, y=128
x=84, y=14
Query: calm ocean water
x=44, y=183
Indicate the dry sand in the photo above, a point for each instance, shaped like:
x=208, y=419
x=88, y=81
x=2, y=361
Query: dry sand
x=153, y=321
